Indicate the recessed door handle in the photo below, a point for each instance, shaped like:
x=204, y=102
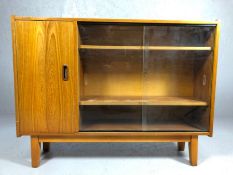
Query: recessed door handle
x=65, y=72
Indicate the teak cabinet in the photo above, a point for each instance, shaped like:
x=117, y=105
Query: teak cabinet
x=114, y=80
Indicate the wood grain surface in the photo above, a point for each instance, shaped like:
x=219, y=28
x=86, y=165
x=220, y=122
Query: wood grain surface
x=46, y=103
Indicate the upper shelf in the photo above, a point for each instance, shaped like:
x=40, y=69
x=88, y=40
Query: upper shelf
x=143, y=47
x=157, y=101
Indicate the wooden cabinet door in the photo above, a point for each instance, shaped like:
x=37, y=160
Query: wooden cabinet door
x=45, y=102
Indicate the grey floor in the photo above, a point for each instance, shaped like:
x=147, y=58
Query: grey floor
x=215, y=155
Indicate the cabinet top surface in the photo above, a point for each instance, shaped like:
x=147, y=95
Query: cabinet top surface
x=24, y=18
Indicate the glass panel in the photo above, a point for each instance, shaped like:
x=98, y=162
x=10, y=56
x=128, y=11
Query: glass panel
x=179, y=35
x=110, y=118
x=145, y=77
x=112, y=34
x=111, y=87
x=177, y=82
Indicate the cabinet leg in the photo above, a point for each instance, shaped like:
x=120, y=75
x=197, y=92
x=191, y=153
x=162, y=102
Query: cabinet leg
x=35, y=152
x=181, y=146
x=46, y=147
x=193, y=150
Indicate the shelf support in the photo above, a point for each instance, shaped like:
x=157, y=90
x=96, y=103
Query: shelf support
x=35, y=151
x=193, y=150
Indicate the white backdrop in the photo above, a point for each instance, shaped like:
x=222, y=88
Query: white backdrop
x=215, y=154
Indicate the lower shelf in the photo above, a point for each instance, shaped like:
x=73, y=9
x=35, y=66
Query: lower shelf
x=157, y=101
x=123, y=126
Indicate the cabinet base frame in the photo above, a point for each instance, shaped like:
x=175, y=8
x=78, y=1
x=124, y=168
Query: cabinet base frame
x=37, y=140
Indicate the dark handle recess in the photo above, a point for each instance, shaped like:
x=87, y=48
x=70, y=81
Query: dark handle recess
x=65, y=72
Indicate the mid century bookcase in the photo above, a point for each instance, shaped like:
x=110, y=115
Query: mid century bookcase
x=114, y=80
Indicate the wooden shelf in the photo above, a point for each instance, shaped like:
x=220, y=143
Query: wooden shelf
x=159, y=101
x=133, y=126
x=107, y=126
x=143, y=47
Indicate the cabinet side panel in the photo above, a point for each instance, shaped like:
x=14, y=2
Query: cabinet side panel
x=15, y=75
x=215, y=62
